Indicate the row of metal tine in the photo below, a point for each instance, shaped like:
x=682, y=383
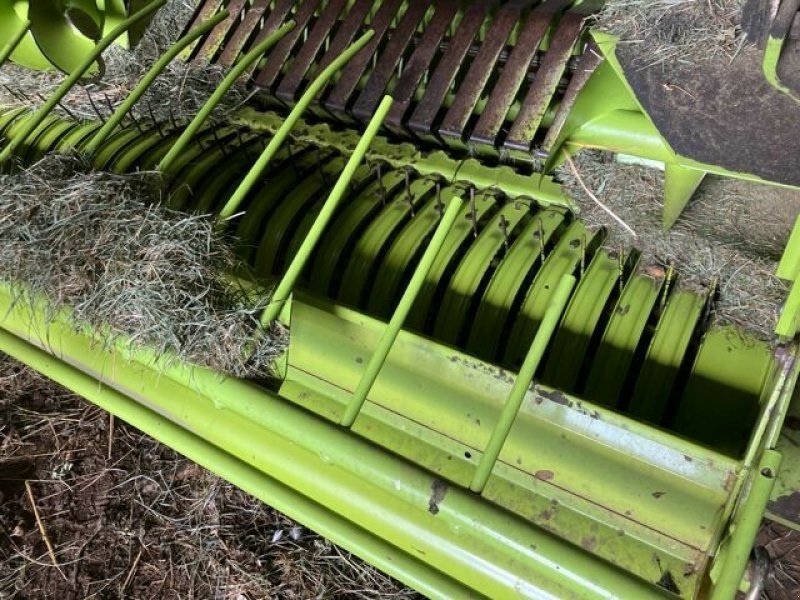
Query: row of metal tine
x=289, y=278
x=451, y=66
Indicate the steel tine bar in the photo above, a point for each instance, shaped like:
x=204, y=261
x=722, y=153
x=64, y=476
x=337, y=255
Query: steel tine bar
x=325, y=215
x=531, y=363
x=191, y=129
x=400, y=314
x=119, y=115
x=280, y=136
x=73, y=78
x=16, y=39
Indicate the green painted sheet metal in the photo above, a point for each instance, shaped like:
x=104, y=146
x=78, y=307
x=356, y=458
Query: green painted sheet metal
x=621, y=339
x=526, y=255
x=581, y=320
x=718, y=405
x=657, y=381
x=474, y=271
x=547, y=470
x=484, y=549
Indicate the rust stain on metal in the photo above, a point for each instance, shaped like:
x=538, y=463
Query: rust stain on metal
x=544, y=86
x=510, y=79
x=587, y=63
x=298, y=70
x=438, y=492
x=423, y=117
x=556, y=396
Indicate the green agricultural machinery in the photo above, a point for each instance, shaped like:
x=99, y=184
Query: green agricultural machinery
x=479, y=396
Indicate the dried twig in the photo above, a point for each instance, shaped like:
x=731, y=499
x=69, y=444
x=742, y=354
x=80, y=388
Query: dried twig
x=42, y=530
x=591, y=195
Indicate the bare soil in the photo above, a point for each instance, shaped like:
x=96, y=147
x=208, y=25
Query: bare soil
x=129, y=518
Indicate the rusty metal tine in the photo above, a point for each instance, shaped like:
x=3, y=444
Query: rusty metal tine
x=420, y=61
x=279, y=14
x=233, y=46
x=471, y=88
x=514, y=71
x=389, y=59
x=346, y=32
x=545, y=83
x=587, y=63
x=342, y=92
x=424, y=115
x=203, y=13
x=215, y=38
x=282, y=50
x=302, y=61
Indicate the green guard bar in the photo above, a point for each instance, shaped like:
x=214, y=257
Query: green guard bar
x=277, y=140
x=73, y=78
x=746, y=525
x=234, y=74
x=512, y=405
x=12, y=44
x=401, y=313
x=123, y=109
x=320, y=223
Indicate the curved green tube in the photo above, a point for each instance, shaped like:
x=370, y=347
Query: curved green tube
x=325, y=215
x=15, y=40
x=400, y=314
x=550, y=321
x=238, y=69
x=161, y=64
x=280, y=136
x=73, y=78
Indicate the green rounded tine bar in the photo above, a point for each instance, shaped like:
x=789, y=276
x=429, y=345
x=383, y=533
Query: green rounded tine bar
x=15, y=40
x=533, y=358
x=400, y=314
x=123, y=109
x=325, y=215
x=234, y=74
x=280, y=136
x=73, y=78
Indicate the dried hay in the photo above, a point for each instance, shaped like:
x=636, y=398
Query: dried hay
x=731, y=233
x=659, y=31
x=102, y=245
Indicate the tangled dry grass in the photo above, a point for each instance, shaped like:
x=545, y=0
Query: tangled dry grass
x=103, y=246
x=659, y=31
x=129, y=518
x=732, y=233
x=175, y=96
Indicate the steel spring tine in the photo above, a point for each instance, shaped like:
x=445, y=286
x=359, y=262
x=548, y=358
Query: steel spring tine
x=280, y=136
x=298, y=263
x=16, y=39
x=162, y=63
x=400, y=314
x=73, y=78
x=522, y=383
x=226, y=84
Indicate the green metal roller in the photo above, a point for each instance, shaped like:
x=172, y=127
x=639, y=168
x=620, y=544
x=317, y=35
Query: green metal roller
x=61, y=33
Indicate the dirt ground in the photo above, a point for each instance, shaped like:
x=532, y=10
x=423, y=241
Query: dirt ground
x=129, y=518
